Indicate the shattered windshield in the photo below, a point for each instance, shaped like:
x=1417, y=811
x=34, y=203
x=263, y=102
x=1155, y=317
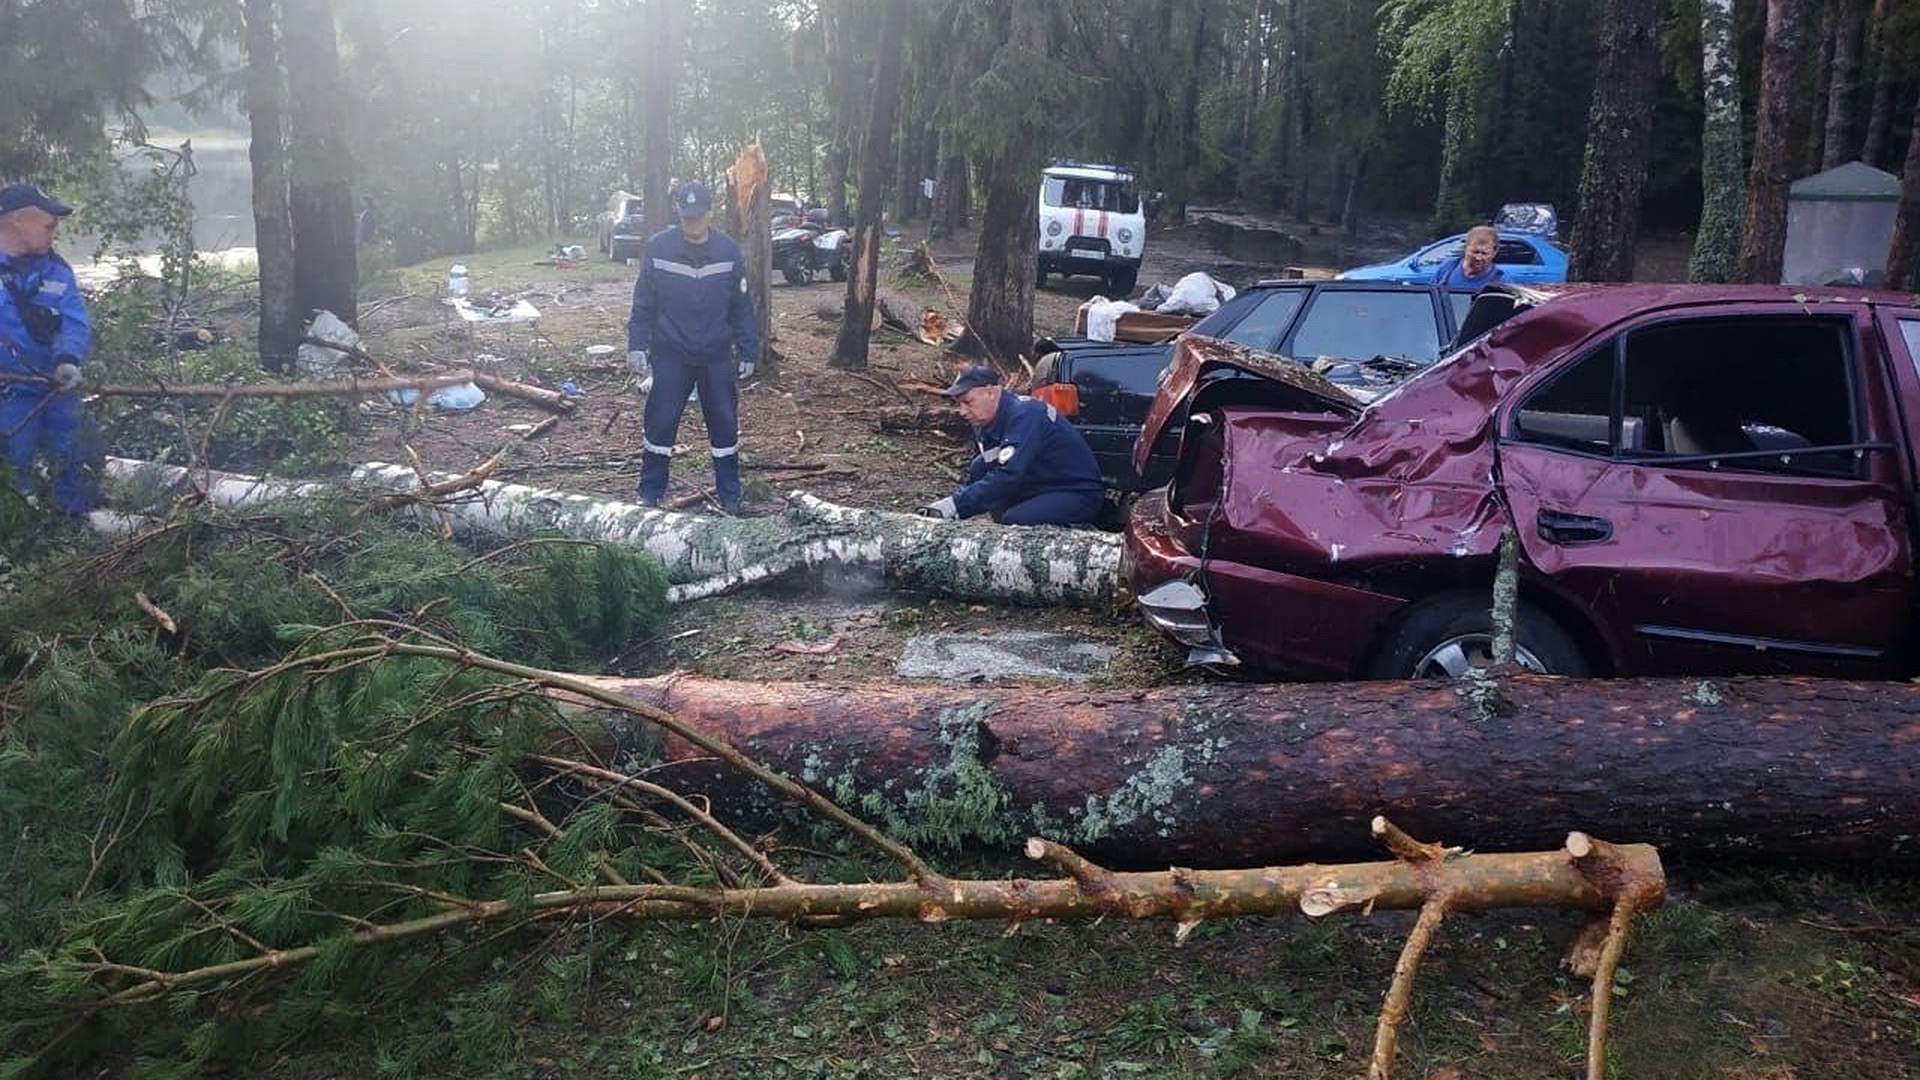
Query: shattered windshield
x=1079, y=193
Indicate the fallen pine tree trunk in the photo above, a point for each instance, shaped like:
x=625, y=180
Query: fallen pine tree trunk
x=1240, y=775
x=705, y=555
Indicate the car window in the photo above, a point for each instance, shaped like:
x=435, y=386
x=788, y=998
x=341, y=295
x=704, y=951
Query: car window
x=1459, y=302
x=1080, y=193
x=1759, y=394
x=1516, y=253
x=1362, y=324
x=1229, y=313
x=1768, y=392
x=631, y=209
x=1910, y=329
x=1434, y=254
x=1574, y=408
x=1125, y=373
x=1262, y=327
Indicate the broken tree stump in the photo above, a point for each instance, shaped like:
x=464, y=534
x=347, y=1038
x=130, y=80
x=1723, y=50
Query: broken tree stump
x=705, y=556
x=1239, y=775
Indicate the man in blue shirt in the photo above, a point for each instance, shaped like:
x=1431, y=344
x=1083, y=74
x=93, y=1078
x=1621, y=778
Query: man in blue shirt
x=1473, y=268
x=44, y=338
x=1032, y=467
x=692, y=316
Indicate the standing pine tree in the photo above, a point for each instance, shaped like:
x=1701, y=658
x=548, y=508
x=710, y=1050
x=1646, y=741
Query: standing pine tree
x=1904, y=252
x=876, y=156
x=1014, y=106
x=319, y=193
x=1716, y=247
x=1617, y=136
x=1843, y=93
x=1763, y=247
x=266, y=102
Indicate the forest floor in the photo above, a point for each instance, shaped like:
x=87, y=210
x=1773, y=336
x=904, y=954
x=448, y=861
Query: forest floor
x=1749, y=972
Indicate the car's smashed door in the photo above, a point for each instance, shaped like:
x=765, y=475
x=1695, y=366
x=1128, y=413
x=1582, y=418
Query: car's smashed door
x=1718, y=494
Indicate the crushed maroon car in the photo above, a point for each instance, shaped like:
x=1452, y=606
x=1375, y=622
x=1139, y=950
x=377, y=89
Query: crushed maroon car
x=1702, y=480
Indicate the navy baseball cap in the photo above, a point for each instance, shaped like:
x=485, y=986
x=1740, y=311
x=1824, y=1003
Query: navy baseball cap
x=20, y=196
x=693, y=199
x=973, y=378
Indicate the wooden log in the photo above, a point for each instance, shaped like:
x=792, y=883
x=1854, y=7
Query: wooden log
x=1241, y=775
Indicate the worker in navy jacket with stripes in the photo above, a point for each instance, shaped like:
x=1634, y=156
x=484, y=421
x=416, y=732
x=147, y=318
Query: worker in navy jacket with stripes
x=692, y=319
x=1031, y=466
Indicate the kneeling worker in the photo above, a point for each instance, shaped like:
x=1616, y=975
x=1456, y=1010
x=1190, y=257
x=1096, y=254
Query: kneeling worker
x=1031, y=467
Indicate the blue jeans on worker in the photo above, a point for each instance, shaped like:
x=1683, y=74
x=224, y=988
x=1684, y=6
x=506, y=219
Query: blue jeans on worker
x=1052, y=508
x=38, y=422
x=719, y=384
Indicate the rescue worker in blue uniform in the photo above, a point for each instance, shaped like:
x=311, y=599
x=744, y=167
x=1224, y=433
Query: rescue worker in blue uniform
x=44, y=338
x=692, y=317
x=1032, y=466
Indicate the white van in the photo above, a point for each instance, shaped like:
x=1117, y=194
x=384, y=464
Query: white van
x=1091, y=224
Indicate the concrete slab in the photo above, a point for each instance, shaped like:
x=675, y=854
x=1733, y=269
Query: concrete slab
x=1023, y=654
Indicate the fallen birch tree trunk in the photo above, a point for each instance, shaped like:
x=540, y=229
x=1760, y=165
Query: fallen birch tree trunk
x=1239, y=775
x=351, y=386
x=706, y=556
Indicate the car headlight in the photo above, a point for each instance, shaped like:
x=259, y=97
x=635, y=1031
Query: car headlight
x=1126, y=236
x=1053, y=228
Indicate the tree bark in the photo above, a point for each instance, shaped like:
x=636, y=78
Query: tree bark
x=663, y=59
x=1821, y=81
x=1903, y=255
x=1880, y=54
x=1764, y=243
x=856, y=327
x=842, y=97
x=1300, y=113
x=749, y=217
x=1237, y=775
x=319, y=190
x=1843, y=94
x=707, y=556
x=280, y=323
x=1618, y=133
x=1716, y=246
x=1005, y=262
x=956, y=193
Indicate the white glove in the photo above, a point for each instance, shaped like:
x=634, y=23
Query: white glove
x=637, y=360
x=945, y=510
x=746, y=369
x=66, y=377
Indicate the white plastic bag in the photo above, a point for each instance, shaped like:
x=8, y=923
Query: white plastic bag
x=1103, y=316
x=1196, y=294
x=319, y=362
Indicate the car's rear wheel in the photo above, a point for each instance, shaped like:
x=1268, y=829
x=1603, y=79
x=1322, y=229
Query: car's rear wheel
x=1446, y=636
x=1120, y=283
x=1040, y=277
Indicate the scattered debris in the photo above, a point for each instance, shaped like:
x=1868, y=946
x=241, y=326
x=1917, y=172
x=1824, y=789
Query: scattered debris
x=808, y=648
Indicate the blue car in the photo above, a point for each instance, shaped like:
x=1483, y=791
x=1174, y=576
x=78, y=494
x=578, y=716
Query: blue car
x=1524, y=258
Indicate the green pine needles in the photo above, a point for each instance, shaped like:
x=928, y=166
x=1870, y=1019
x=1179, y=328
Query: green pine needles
x=271, y=776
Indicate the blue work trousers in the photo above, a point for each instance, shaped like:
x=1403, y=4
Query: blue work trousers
x=719, y=385
x=39, y=423
x=1052, y=508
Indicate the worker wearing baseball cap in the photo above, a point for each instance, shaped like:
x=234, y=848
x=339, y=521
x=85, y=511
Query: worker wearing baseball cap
x=692, y=327
x=44, y=338
x=1031, y=466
